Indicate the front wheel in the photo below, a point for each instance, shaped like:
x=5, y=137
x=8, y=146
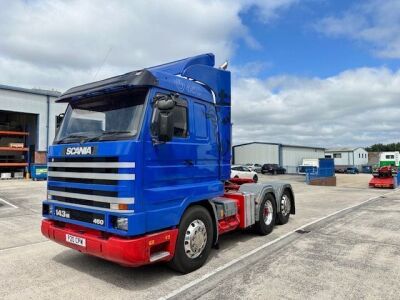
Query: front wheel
x=194, y=240
x=266, y=215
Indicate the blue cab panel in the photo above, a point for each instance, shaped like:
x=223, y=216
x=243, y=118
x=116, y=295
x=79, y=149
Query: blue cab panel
x=95, y=183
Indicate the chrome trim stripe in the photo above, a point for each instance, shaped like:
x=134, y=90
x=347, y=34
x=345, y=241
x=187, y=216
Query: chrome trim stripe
x=91, y=207
x=130, y=165
x=92, y=197
x=106, y=176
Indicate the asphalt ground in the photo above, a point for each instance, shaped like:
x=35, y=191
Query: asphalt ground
x=353, y=253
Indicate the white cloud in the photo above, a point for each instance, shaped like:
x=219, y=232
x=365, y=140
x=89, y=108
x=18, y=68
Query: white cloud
x=57, y=44
x=374, y=22
x=355, y=107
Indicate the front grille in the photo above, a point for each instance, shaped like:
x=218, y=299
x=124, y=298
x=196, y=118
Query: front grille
x=80, y=180
x=84, y=191
x=84, y=170
x=94, y=170
x=88, y=170
x=84, y=159
x=81, y=202
x=78, y=215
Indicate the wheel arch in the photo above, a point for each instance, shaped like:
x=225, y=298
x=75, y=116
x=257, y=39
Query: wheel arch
x=207, y=204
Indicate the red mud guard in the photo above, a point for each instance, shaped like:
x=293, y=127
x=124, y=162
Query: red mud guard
x=132, y=252
x=377, y=182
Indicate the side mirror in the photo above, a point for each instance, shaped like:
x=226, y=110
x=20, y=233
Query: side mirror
x=59, y=120
x=166, y=125
x=163, y=120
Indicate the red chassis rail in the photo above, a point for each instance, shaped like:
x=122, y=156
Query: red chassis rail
x=128, y=252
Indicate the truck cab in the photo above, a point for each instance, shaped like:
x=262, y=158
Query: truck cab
x=135, y=155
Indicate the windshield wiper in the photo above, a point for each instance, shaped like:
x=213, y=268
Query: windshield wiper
x=72, y=136
x=107, y=133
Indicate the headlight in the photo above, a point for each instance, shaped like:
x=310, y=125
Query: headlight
x=122, y=224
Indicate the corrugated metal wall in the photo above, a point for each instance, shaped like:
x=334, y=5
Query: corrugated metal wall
x=292, y=157
x=256, y=153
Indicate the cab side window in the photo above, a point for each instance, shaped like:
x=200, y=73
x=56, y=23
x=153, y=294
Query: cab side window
x=180, y=117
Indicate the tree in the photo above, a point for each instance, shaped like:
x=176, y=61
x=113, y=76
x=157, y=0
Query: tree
x=382, y=147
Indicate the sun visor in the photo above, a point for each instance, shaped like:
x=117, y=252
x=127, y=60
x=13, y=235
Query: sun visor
x=135, y=78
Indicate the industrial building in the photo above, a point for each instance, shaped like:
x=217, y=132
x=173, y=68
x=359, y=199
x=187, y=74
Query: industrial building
x=27, y=127
x=345, y=157
x=287, y=156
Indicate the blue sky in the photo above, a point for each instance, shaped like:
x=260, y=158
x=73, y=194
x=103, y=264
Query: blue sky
x=290, y=44
x=312, y=72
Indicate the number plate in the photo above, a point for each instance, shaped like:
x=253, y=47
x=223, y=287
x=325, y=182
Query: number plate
x=75, y=240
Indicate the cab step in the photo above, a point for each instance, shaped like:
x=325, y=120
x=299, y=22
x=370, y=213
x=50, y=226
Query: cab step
x=159, y=255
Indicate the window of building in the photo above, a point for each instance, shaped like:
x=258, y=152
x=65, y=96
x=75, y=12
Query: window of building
x=337, y=155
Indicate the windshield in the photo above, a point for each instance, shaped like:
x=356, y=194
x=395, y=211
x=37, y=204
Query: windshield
x=106, y=117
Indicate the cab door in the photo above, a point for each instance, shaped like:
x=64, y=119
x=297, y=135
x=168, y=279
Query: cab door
x=182, y=170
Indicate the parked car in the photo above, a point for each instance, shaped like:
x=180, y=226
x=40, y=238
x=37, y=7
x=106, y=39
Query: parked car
x=340, y=170
x=272, y=169
x=254, y=167
x=352, y=170
x=366, y=169
x=243, y=172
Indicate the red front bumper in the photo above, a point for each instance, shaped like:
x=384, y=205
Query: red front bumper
x=128, y=252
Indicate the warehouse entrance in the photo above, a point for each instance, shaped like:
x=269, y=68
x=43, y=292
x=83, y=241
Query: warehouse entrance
x=18, y=141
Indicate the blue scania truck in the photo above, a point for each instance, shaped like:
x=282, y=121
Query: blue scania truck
x=138, y=170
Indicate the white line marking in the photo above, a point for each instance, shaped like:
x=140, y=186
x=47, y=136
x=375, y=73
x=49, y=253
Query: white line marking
x=234, y=261
x=6, y=202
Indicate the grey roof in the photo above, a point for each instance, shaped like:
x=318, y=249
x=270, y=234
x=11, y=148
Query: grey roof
x=343, y=149
x=30, y=91
x=282, y=145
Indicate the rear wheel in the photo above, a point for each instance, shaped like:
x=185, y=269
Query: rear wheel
x=194, y=240
x=285, y=208
x=266, y=215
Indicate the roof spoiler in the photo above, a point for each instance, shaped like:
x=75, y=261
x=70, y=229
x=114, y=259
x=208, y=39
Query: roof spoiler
x=199, y=68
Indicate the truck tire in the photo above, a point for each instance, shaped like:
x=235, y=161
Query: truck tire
x=267, y=215
x=194, y=240
x=285, y=207
x=255, y=178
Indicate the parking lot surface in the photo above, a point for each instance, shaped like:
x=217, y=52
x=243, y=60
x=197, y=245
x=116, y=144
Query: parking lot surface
x=351, y=254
